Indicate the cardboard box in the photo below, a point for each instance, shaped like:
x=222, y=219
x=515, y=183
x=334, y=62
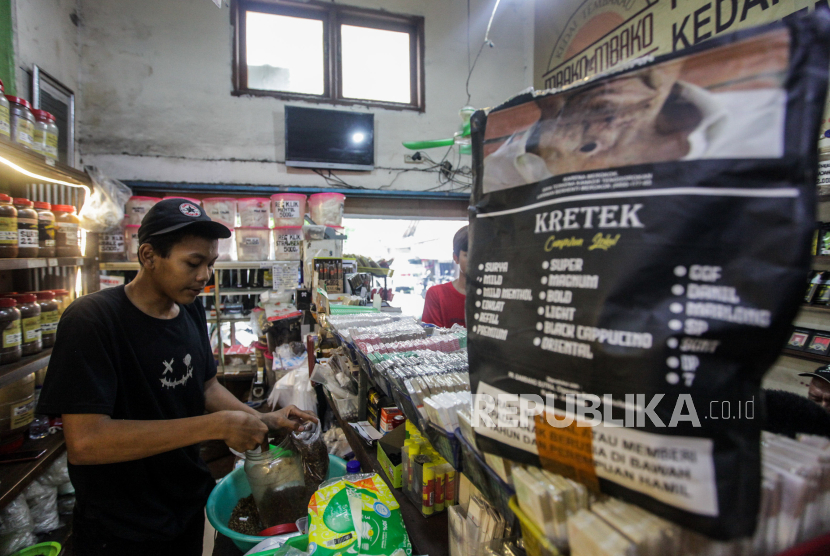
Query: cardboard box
x=389, y=455
x=387, y=419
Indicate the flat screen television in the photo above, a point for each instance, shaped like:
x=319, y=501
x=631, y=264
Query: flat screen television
x=333, y=139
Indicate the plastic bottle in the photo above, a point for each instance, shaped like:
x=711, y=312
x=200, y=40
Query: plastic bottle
x=39, y=427
x=353, y=467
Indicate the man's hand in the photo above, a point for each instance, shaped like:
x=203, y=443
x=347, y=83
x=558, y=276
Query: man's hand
x=242, y=431
x=289, y=418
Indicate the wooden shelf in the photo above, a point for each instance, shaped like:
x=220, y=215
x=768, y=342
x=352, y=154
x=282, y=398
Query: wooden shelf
x=14, y=477
x=31, y=363
x=60, y=535
x=226, y=318
x=17, y=264
x=39, y=164
x=818, y=308
x=123, y=265
x=427, y=535
x=806, y=355
x=236, y=291
x=220, y=265
x=234, y=377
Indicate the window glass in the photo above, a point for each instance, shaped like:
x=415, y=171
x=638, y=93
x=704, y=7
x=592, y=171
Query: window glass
x=376, y=64
x=285, y=53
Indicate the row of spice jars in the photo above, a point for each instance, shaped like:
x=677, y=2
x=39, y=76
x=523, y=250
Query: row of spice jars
x=32, y=128
x=29, y=322
x=38, y=229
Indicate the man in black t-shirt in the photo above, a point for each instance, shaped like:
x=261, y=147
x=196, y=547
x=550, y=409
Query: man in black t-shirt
x=132, y=373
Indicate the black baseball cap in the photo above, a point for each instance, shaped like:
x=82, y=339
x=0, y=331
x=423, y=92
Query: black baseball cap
x=170, y=215
x=821, y=372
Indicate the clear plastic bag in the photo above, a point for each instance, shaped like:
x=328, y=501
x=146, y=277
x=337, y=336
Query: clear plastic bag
x=66, y=504
x=294, y=388
x=104, y=206
x=43, y=506
x=277, y=484
x=15, y=526
x=312, y=448
x=57, y=474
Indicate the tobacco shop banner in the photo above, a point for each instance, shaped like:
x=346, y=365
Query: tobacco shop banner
x=638, y=248
x=575, y=39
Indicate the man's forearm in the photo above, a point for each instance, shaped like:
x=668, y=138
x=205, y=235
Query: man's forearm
x=219, y=398
x=98, y=439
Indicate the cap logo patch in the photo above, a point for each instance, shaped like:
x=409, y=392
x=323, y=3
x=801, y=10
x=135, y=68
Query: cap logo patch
x=189, y=209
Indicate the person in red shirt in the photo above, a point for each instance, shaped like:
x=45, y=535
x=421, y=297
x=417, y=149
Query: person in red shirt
x=444, y=305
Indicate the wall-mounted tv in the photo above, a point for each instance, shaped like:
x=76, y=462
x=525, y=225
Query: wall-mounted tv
x=333, y=139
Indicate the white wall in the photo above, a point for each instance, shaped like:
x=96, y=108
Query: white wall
x=45, y=36
x=157, y=102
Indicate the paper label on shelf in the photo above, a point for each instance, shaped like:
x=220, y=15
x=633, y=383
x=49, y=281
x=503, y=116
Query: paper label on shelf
x=250, y=241
x=824, y=177
x=49, y=322
x=5, y=128
x=51, y=145
x=69, y=231
x=12, y=335
x=287, y=244
x=287, y=209
x=111, y=281
x=46, y=231
x=31, y=329
x=285, y=275
x=23, y=413
x=27, y=237
x=24, y=132
x=112, y=243
x=8, y=230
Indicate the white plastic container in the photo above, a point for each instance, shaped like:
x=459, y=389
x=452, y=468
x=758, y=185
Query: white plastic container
x=196, y=202
x=289, y=209
x=254, y=212
x=131, y=241
x=221, y=209
x=252, y=243
x=288, y=241
x=137, y=207
x=227, y=248
x=327, y=208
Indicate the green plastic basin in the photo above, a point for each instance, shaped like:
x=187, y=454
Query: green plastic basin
x=42, y=549
x=232, y=489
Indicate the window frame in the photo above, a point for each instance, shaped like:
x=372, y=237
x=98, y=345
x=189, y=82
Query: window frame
x=332, y=16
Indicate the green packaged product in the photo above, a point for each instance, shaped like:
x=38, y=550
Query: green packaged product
x=340, y=504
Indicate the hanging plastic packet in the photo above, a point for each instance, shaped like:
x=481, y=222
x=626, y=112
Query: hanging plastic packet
x=310, y=445
x=642, y=239
x=332, y=526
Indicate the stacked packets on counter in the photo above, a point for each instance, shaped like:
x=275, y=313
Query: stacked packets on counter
x=473, y=529
x=795, y=507
x=428, y=480
x=344, y=325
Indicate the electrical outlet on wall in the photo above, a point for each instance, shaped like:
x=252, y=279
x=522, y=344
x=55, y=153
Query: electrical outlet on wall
x=414, y=158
